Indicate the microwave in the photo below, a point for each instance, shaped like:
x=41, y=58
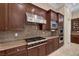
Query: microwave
x=54, y=24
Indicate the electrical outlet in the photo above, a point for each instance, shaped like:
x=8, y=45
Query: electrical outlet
x=43, y=32
x=16, y=34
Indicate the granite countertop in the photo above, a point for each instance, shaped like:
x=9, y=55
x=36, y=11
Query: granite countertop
x=12, y=44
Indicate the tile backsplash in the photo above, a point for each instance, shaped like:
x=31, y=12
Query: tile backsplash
x=29, y=31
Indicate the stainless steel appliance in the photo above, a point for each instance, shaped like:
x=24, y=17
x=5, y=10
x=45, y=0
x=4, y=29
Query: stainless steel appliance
x=35, y=41
x=61, y=34
x=54, y=24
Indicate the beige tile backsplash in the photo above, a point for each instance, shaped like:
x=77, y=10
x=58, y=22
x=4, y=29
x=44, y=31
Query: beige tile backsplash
x=29, y=31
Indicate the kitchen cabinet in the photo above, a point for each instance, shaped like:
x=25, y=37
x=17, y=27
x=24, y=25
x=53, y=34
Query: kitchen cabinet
x=52, y=45
x=56, y=43
x=38, y=50
x=38, y=11
x=35, y=10
x=17, y=51
x=16, y=16
x=50, y=16
x=75, y=39
x=75, y=24
x=3, y=16
x=60, y=17
x=33, y=51
x=12, y=16
x=2, y=53
x=43, y=49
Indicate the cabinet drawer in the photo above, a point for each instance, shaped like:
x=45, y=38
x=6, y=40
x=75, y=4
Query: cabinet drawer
x=2, y=53
x=33, y=51
x=20, y=53
x=16, y=49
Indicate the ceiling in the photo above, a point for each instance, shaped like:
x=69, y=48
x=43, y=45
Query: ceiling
x=57, y=5
x=74, y=6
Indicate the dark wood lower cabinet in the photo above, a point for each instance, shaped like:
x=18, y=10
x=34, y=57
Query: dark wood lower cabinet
x=17, y=51
x=52, y=45
x=56, y=43
x=41, y=49
x=2, y=53
x=75, y=39
x=38, y=50
x=33, y=51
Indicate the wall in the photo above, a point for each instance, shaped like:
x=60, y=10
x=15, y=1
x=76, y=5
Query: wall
x=29, y=31
x=75, y=15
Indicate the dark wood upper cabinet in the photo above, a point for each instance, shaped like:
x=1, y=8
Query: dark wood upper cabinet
x=60, y=19
x=35, y=9
x=13, y=15
x=3, y=16
x=50, y=16
x=16, y=16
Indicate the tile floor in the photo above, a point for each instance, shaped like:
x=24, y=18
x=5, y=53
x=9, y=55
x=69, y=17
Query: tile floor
x=73, y=50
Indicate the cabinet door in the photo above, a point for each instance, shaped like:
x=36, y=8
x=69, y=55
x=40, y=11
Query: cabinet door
x=33, y=51
x=56, y=43
x=53, y=16
x=50, y=46
x=2, y=53
x=53, y=44
x=20, y=53
x=42, y=49
x=17, y=51
x=3, y=15
x=16, y=16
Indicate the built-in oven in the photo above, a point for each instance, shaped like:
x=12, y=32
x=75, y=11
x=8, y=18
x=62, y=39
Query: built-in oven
x=61, y=39
x=61, y=30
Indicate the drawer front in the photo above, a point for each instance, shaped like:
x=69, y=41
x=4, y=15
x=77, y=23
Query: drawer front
x=33, y=51
x=2, y=53
x=42, y=50
x=20, y=53
x=16, y=49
